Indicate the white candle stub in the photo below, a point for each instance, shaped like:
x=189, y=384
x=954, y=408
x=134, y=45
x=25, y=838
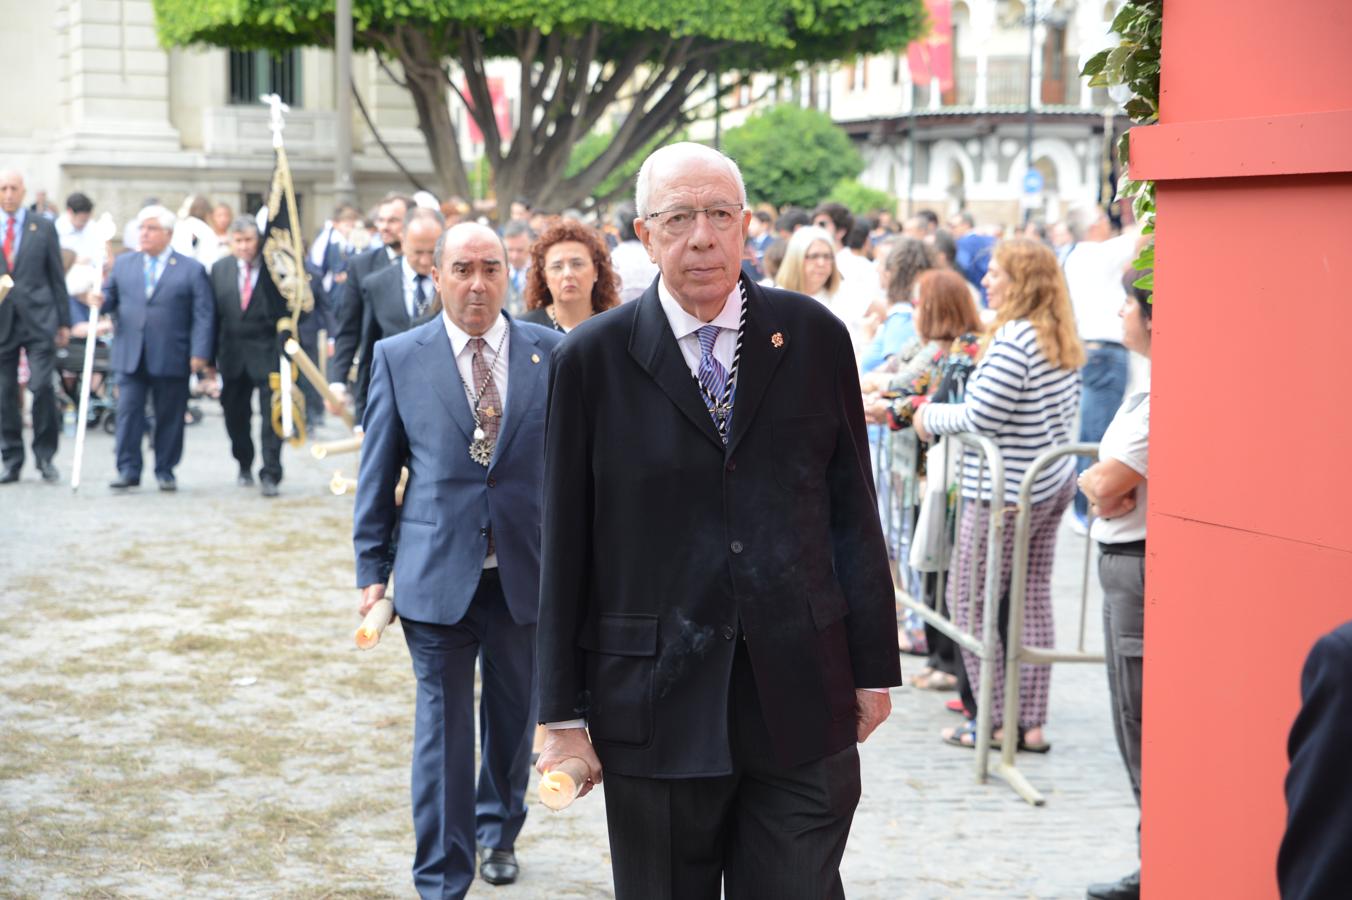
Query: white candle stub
x=368, y=633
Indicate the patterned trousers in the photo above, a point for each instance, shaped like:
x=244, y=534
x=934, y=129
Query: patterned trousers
x=966, y=599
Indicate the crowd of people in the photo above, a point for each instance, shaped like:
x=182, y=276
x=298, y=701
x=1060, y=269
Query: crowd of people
x=1017, y=334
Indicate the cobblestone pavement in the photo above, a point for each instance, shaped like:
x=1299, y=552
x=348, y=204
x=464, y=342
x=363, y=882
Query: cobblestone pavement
x=137, y=759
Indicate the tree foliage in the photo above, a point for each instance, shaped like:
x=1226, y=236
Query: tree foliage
x=580, y=60
x=789, y=154
x=861, y=199
x=1135, y=63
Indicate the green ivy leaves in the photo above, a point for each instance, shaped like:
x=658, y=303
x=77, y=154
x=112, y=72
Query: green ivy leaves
x=1135, y=64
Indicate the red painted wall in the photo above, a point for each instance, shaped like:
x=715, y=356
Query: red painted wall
x=1250, y=528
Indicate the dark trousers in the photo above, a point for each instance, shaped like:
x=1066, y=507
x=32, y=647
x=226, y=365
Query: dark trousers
x=1103, y=385
x=237, y=404
x=46, y=416
x=169, y=396
x=943, y=651
x=314, y=403
x=449, y=812
x=764, y=831
x=1123, y=579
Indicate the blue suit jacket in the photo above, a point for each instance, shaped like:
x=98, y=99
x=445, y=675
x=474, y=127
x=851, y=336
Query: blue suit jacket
x=177, y=322
x=417, y=415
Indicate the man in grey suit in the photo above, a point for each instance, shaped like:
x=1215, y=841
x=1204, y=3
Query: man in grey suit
x=460, y=402
x=402, y=295
x=161, y=303
x=35, y=317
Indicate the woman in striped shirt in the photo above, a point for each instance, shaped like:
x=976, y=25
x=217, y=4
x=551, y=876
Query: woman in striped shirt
x=1024, y=395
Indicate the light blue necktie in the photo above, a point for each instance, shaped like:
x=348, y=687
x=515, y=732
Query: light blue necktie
x=712, y=376
x=150, y=275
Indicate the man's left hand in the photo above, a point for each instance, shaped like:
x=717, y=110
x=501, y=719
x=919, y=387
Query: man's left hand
x=874, y=708
x=62, y=336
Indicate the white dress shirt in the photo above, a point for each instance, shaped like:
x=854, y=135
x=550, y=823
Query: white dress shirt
x=411, y=286
x=494, y=338
x=684, y=326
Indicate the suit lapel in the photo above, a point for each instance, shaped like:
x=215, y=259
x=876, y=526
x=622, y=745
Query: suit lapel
x=438, y=363
x=654, y=347
x=761, y=354
x=524, y=374
x=30, y=233
x=170, y=269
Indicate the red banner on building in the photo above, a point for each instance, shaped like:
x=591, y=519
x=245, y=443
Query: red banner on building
x=502, y=111
x=932, y=56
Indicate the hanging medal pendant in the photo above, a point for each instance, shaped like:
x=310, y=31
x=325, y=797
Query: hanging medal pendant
x=481, y=451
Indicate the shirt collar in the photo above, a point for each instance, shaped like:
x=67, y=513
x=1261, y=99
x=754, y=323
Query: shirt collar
x=250, y=266
x=18, y=216
x=684, y=324
x=392, y=254
x=459, y=338
x=409, y=274
x=162, y=258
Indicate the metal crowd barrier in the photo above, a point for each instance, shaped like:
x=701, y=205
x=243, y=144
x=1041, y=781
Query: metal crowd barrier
x=1016, y=652
x=893, y=492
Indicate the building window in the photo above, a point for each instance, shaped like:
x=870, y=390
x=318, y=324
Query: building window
x=254, y=73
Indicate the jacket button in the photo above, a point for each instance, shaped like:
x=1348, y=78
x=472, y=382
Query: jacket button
x=483, y=532
x=492, y=482
x=729, y=632
x=732, y=465
x=736, y=546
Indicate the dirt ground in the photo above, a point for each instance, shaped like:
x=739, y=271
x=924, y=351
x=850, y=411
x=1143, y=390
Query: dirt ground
x=184, y=710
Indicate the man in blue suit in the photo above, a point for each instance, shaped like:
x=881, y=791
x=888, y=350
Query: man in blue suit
x=162, y=304
x=460, y=402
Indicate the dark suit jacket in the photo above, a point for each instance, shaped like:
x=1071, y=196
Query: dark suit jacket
x=660, y=545
x=1315, y=862
x=382, y=300
x=246, y=342
x=321, y=317
x=349, y=310
x=176, y=323
x=418, y=416
x=38, y=303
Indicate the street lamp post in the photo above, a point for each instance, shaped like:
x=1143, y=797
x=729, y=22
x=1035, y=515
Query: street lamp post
x=1032, y=50
x=343, y=189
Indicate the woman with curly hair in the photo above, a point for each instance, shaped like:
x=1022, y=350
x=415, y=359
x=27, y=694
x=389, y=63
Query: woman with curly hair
x=1024, y=394
x=570, y=278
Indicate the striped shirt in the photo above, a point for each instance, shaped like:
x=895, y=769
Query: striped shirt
x=1016, y=398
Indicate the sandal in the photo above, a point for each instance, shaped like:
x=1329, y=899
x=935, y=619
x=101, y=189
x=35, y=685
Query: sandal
x=955, y=705
x=963, y=735
x=1036, y=747
x=934, y=680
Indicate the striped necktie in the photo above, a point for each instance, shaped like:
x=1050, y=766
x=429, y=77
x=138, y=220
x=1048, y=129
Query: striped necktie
x=712, y=376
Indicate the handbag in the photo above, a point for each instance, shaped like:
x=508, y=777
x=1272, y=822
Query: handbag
x=930, y=544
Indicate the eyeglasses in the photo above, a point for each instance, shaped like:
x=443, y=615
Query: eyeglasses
x=680, y=219
x=575, y=265
x=818, y=257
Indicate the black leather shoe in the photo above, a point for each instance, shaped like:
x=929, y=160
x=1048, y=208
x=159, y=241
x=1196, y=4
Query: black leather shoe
x=269, y=489
x=167, y=483
x=1129, y=888
x=123, y=482
x=497, y=866
x=245, y=478
x=50, y=474
x=9, y=474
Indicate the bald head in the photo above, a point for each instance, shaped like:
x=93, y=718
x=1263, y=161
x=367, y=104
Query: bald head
x=11, y=191
x=673, y=160
x=471, y=276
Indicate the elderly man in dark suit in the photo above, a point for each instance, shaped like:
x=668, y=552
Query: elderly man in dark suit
x=246, y=354
x=403, y=295
x=460, y=402
x=1315, y=862
x=165, y=317
x=716, y=604
x=34, y=317
x=350, y=310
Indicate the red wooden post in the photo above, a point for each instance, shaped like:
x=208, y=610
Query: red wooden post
x=1251, y=443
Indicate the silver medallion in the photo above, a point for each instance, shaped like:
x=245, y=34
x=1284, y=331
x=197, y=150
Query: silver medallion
x=481, y=451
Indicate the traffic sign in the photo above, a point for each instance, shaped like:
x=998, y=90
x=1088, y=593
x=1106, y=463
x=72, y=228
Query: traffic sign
x=1032, y=182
